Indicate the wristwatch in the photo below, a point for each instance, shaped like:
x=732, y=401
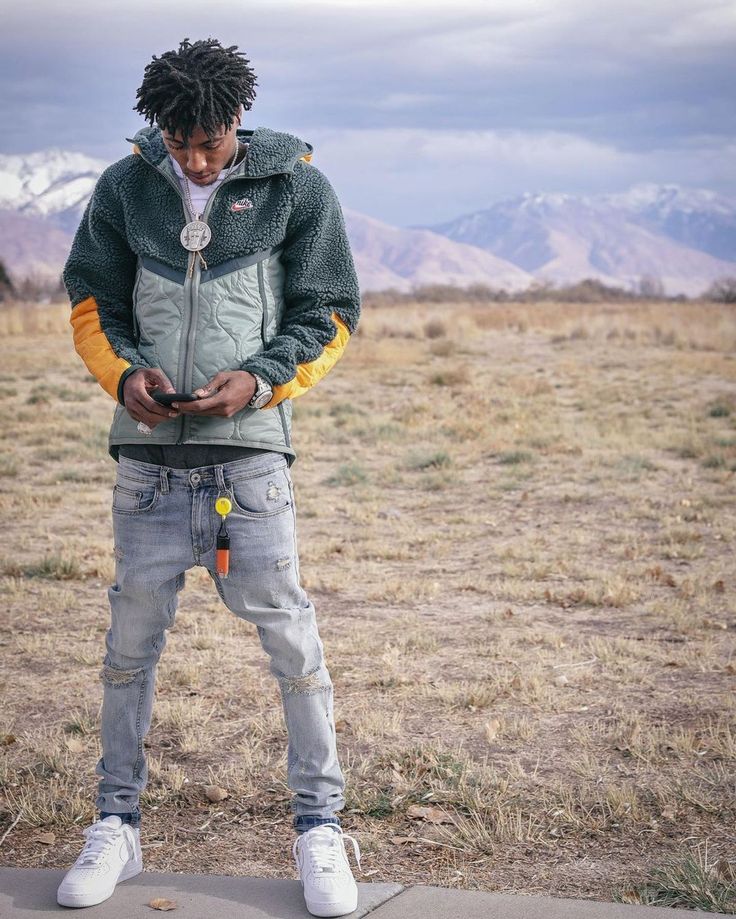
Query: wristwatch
x=263, y=393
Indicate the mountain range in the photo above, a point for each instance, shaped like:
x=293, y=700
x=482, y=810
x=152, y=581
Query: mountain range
x=681, y=239
x=684, y=238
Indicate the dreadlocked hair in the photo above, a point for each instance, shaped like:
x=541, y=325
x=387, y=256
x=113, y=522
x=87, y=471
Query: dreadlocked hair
x=200, y=85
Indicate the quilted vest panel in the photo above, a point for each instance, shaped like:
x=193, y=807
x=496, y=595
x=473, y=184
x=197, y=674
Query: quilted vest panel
x=194, y=327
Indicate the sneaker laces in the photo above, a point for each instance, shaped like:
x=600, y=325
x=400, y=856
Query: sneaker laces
x=325, y=846
x=100, y=837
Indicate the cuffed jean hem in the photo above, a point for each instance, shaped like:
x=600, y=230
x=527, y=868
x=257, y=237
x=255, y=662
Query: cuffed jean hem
x=133, y=819
x=304, y=822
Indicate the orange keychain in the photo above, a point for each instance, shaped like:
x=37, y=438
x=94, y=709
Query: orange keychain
x=223, y=506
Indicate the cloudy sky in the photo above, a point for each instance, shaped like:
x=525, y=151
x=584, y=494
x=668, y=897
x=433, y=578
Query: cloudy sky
x=416, y=114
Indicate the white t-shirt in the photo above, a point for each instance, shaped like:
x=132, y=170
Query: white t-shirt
x=200, y=194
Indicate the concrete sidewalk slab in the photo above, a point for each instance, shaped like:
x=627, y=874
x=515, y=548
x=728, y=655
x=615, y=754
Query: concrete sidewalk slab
x=26, y=893
x=442, y=903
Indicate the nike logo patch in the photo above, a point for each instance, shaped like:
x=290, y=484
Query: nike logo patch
x=242, y=204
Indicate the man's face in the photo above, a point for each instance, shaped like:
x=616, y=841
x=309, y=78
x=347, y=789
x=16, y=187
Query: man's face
x=202, y=157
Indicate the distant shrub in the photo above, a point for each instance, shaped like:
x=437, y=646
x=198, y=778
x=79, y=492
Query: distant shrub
x=54, y=567
x=723, y=290
x=435, y=328
x=348, y=474
x=454, y=377
x=437, y=460
x=6, y=285
x=510, y=457
x=39, y=395
x=442, y=348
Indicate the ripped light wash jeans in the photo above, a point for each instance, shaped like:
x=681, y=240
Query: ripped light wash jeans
x=164, y=523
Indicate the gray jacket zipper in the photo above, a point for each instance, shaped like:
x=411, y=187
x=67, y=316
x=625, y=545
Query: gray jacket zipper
x=194, y=281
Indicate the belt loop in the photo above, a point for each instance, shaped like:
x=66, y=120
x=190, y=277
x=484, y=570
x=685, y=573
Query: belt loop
x=220, y=479
x=164, y=480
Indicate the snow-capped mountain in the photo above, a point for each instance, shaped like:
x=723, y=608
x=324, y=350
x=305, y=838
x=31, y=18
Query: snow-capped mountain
x=695, y=217
x=685, y=238
x=52, y=184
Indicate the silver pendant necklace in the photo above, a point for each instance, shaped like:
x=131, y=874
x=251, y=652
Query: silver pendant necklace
x=197, y=234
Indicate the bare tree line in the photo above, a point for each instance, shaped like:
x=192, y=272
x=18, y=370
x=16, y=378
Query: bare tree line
x=588, y=290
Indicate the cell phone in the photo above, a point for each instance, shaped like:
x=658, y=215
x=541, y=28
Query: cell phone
x=166, y=398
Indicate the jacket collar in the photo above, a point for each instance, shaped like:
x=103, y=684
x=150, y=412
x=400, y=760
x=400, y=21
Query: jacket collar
x=270, y=152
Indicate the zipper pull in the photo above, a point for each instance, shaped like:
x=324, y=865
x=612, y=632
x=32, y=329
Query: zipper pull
x=192, y=256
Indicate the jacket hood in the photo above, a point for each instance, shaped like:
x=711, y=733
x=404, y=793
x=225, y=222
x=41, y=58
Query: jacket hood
x=270, y=152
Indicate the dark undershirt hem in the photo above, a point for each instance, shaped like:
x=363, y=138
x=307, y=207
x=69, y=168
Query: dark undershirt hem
x=187, y=456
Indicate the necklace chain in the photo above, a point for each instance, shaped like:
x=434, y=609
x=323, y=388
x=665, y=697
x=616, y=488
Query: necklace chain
x=187, y=193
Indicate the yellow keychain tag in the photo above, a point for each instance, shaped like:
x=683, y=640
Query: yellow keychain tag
x=223, y=506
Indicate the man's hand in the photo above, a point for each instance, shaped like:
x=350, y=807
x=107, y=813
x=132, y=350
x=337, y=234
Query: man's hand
x=225, y=394
x=139, y=404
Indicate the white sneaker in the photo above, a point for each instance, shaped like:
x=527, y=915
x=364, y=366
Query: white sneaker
x=329, y=886
x=112, y=853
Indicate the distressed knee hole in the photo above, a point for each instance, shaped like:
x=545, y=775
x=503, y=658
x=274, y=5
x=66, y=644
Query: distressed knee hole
x=114, y=677
x=308, y=684
x=283, y=563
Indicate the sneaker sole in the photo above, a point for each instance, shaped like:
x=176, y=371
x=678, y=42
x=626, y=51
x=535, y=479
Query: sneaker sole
x=332, y=909
x=81, y=899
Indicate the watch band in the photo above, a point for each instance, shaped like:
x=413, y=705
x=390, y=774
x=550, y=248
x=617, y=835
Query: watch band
x=263, y=393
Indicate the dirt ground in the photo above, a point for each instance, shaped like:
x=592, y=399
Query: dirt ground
x=517, y=525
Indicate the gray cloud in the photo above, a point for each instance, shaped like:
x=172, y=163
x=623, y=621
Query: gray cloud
x=411, y=172
x=642, y=91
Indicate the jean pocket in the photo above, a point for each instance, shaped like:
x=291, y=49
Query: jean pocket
x=261, y=495
x=138, y=499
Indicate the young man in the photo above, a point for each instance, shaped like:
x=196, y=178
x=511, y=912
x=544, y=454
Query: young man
x=212, y=261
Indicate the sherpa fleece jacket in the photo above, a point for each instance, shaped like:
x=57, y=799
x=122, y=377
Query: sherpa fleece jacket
x=278, y=295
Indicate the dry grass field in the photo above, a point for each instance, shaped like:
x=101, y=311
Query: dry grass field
x=517, y=526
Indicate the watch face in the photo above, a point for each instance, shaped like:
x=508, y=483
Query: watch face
x=263, y=399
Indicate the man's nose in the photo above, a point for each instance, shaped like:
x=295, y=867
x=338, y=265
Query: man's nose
x=196, y=160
